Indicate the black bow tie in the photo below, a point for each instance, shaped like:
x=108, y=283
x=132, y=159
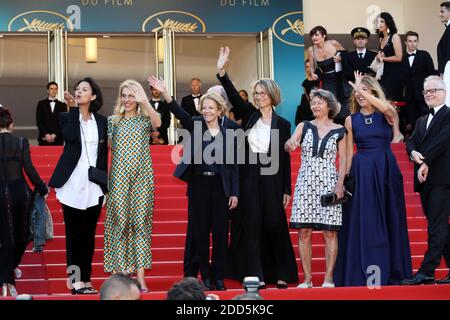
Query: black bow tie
x=410, y=54
x=195, y=96
x=431, y=111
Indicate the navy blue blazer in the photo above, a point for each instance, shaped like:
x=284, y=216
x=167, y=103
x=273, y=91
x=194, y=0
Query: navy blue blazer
x=70, y=127
x=351, y=62
x=229, y=172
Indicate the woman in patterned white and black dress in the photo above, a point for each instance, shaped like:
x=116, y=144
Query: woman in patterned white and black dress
x=320, y=141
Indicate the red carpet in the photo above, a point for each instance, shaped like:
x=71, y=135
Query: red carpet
x=44, y=273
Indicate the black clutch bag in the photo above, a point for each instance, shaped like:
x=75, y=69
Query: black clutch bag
x=331, y=199
x=98, y=176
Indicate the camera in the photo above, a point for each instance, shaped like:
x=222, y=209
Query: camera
x=251, y=284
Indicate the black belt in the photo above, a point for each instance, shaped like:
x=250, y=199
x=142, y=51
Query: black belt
x=206, y=173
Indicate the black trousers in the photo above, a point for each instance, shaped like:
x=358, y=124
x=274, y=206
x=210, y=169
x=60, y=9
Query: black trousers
x=267, y=236
x=209, y=215
x=436, y=206
x=10, y=258
x=190, y=264
x=80, y=238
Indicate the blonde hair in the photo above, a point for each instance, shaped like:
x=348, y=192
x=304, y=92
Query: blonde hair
x=372, y=84
x=217, y=98
x=271, y=88
x=221, y=91
x=134, y=86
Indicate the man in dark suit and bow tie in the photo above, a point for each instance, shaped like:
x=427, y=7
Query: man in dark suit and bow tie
x=443, y=48
x=417, y=65
x=47, y=117
x=190, y=102
x=361, y=58
x=429, y=148
x=159, y=136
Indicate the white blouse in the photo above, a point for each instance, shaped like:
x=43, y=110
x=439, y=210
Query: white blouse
x=259, y=137
x=78, y=192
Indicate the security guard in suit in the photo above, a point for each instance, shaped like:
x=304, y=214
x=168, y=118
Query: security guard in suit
x=361, y=58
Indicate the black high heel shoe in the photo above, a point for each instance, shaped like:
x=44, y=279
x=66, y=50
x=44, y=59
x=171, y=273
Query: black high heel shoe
x=282, y=285
x=85, y=290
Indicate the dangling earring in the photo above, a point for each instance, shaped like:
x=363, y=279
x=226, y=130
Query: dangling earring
x=389, y=31
x=122, y=109
x=139, y=109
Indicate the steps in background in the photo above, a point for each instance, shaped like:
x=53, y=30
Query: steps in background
x=43, y=273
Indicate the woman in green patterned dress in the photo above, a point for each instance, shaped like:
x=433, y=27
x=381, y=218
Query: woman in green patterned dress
x=128, y=225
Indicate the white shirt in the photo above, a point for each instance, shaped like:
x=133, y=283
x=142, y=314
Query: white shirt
x=196, y=100
x=156, y=103
x=411, y=58
x=78, y=192
x=430, y=116
x=259, y=137
x=362, y=51
x=52, y=105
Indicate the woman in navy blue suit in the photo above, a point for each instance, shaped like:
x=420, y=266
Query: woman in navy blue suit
x=213, y=182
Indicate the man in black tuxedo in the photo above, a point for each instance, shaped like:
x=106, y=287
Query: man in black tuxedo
x=47, y=118
x=190, y=102
x=443, y=48
x=429, y=148
x=159, y=135
x=417, y=65
x=361, y=58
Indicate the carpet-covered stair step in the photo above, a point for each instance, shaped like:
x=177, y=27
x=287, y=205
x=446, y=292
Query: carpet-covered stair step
x=180, y=202
x=164, y=214
x=178, y=240
x=169, y=254
x=159, y=268
x=165, y=227
x=155, y=283
x=158, y=215
x=159, y=227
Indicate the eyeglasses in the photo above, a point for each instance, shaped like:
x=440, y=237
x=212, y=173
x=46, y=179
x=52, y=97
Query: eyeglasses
x=432, y=91
x=259, y=94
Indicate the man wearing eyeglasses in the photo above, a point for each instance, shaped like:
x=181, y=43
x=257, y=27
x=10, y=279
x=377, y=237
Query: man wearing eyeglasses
x=429, y=148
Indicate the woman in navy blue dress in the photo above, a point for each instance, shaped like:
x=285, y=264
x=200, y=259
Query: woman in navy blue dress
x=373, y=244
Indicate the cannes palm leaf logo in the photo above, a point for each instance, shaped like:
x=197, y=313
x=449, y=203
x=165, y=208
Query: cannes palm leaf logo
x=176, y=26
x=298, y=27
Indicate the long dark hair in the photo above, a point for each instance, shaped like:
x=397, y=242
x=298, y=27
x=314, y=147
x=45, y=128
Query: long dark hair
x=390, y=24
x=96, y=104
